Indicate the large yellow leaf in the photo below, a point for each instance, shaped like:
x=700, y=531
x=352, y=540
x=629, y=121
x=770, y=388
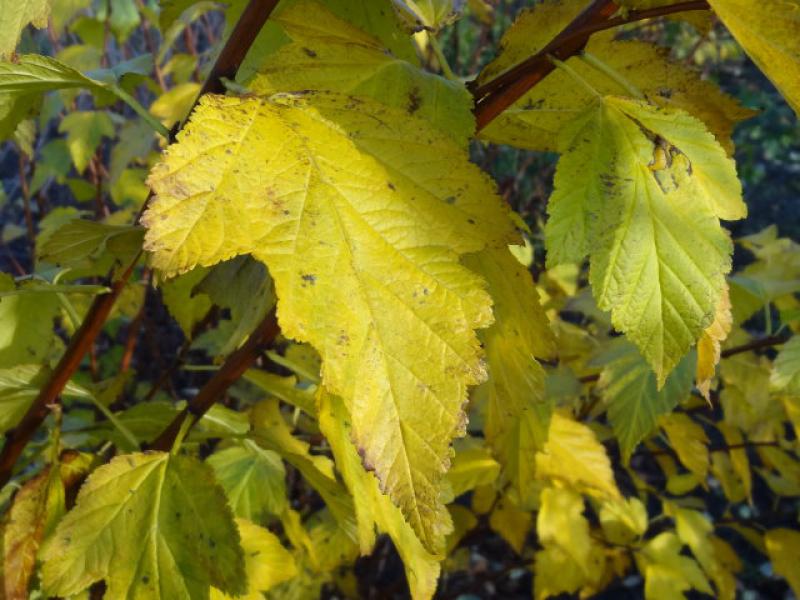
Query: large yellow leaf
x=328, y=53
x=534, y=121
x=658, y=253
x=770, y=34
x=517, y=413
x=574, y=456
x=362, y=238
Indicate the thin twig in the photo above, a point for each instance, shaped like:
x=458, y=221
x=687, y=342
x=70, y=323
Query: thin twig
x=495, y=96
x=233, y=368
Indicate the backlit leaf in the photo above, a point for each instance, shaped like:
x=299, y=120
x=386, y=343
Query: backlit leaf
x=573, y=455
x=330, y=200
x=689, y=441
x=658, y=254
x=783, y=548
x=141, y=523
x=253, y=479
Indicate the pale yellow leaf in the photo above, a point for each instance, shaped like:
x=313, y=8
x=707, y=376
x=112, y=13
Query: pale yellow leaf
x=667, y=573
x=561, y=522
x=574, y=456
x=689, y=441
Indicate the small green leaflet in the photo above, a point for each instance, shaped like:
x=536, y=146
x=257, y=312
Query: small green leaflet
x=26, y=323
x=629, y=389
x=142, y=523
x=647, y=211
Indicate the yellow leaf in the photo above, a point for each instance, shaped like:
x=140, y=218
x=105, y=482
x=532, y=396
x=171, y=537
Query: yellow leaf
x=266, y=562
x=15, y=15
x=573, y=456
x=535, y=120
x=322, y=189
x=695, y=531
x=555, y=573
x=667, y=573
x=472, y=466
x=771, y=36
x=689, y=441
x=512, y=523
x=738, y=456
x=623, y=521
x=783, y=548
x=517, y=413
x=561, y=522
x=374, y=508
x=708, y=347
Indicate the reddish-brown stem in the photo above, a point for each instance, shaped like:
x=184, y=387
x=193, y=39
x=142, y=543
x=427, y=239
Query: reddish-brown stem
x=233, y=368
x=254, y=16
x=495, y=96
x=767, y=342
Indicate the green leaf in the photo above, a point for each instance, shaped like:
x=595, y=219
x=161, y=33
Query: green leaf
x=79, y=242
x=428, y=14
x=630, y=390
x=152, y=526
x=329, y=198
x=517, y=413
x=253, y=479
x=770, y=37
x=185, y=304
x=26, y=324
x=244, y=286
x=19, y=386
x=84, y=131
x=658, y=254
x=15, y=15
x=330, y=54
x=786, y=368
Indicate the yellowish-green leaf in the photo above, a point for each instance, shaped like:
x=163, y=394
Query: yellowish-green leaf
x=330, y=54
x=574, y=456
x=689, y=441
x=20, y=385
x=330, y=199
x=785, y=374
x=272, y=433
x=430, y=14
x=26, y=324
x=709, y=345
x=79, y=242
x=15, y=16
x=517, y=414
x=695, y=531
x=535, y=120
x=373, y=507
x=85, y=130
x=658, y=253
x=629, y=387
x=184, y=302
x=667, y=573
x=266, y=562
x=771, y=37
x=253, y=479
x=141, y=523
x=783, y=548
x=623, y=521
